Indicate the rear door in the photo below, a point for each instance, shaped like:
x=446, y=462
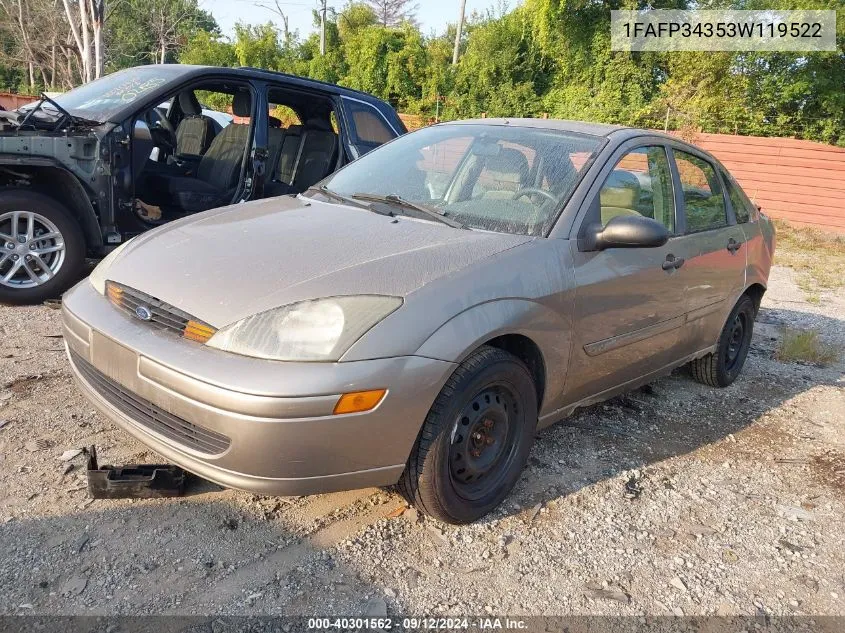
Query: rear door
x=630, y=304
x=716, y=275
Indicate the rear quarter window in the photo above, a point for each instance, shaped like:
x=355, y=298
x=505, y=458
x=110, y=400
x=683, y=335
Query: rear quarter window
x=744, y=209
x=368, y=125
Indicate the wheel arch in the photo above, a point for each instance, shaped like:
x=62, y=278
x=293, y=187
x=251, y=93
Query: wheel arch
x=756, y=292
x=54, y=181
x=529, y=330
x=526, y=350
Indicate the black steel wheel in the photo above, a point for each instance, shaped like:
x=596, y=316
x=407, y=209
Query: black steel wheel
x=483, y=441
x=721, y=368
x=475, y=440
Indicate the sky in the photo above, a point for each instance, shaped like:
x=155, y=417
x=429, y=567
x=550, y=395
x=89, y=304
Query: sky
x=432, y=14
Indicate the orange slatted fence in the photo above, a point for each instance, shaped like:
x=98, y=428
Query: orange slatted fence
x=801, y=182
x=13, y=101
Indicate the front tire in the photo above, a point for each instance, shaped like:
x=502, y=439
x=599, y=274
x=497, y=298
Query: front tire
x=721, y=368
x=475, y=440
x=42, y=249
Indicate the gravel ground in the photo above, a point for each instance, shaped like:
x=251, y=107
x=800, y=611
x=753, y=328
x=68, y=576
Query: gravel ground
x=674, y=499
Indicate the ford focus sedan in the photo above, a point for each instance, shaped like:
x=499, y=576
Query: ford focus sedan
x=418, y=315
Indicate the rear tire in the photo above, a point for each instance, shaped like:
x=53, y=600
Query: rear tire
x=475, y=440
x=721, y=368
x=57, y=253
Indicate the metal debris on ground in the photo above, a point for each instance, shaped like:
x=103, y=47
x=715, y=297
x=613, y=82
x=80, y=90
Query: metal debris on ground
x=633, y=489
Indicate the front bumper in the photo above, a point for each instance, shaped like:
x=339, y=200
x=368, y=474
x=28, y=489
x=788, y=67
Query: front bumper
x=258, y=425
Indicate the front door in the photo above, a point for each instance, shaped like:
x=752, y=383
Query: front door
x=716, y=275
x=630, y=303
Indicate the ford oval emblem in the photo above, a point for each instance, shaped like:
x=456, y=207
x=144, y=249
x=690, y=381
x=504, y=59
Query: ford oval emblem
x=143, y=313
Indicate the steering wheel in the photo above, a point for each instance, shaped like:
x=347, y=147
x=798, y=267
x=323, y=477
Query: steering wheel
x=162, y=130
x=530, y=191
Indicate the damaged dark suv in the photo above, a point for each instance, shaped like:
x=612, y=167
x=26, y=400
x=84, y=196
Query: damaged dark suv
x=85, y=171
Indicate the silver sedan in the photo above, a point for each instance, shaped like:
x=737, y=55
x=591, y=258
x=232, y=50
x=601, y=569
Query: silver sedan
x=416, y=317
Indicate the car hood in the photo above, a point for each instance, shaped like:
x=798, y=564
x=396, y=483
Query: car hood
x=227, y=264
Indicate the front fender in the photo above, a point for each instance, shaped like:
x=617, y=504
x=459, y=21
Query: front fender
x=547, y=328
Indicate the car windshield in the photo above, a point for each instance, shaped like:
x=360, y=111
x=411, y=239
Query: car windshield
x=101, y=99
x=502, y=178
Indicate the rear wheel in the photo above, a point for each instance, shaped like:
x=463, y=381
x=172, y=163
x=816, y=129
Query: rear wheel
x=721, y=368
x=42, y=249
x=475, y=440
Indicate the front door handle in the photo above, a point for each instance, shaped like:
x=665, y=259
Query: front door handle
x=672, y=263
x=734, y=246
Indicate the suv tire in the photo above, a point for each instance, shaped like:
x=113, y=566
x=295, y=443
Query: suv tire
x=64, y=265
x=475, y=439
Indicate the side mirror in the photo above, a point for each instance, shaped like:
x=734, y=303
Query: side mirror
x=625, y=231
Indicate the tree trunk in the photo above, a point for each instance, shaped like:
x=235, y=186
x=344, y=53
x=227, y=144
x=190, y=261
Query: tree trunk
x=86, y=40
x=97, y=15
x=78, y=40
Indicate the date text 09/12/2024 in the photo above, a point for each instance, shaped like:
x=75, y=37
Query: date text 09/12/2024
x=416, y=624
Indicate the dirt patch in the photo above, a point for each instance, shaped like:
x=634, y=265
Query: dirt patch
x=829, y=469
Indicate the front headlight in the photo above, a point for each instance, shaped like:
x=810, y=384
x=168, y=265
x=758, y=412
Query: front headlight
x=98, y=275
x=317, y=330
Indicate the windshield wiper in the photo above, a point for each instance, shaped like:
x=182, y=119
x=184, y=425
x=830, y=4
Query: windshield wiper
x=398, y=201
x=66, y=117
x=334, y=195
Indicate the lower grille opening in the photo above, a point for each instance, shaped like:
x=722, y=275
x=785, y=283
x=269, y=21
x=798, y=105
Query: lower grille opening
x=145, y=413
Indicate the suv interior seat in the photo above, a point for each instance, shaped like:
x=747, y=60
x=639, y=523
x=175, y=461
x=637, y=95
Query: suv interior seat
x=316, y=155
x=306, y=155
x=195, y=131
x=218, y=172
x=619, y=195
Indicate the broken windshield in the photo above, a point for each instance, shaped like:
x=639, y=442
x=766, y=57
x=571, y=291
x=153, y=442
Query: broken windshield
x=100, y=100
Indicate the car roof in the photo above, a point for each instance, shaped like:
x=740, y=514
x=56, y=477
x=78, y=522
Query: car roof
x=272, y=75
x=619, y=132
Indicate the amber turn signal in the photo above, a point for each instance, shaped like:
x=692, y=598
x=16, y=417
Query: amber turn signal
x=359, y=401
x=197, y=331
x=115, y=294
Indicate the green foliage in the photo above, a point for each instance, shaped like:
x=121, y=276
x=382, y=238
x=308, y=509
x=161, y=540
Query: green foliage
x=208, y=49
x=137, y=30
x=257, y=45
x=554, y=57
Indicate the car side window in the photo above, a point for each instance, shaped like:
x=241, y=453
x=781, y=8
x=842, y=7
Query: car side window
x=740, y=205
x=369, y=127
x=703, y=201
x=640, y=184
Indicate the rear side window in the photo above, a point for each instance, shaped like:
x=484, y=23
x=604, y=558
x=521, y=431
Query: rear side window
x=741, y=205
x=369, y=127
x=703, y=200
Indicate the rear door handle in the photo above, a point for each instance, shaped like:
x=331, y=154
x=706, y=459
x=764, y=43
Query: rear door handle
x=672, y=263
x=734, y=246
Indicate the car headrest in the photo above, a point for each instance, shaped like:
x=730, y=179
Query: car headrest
x=189, y=103
x=319, y=124
x=508, y=166
x=242, y=104
x=622, y=189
